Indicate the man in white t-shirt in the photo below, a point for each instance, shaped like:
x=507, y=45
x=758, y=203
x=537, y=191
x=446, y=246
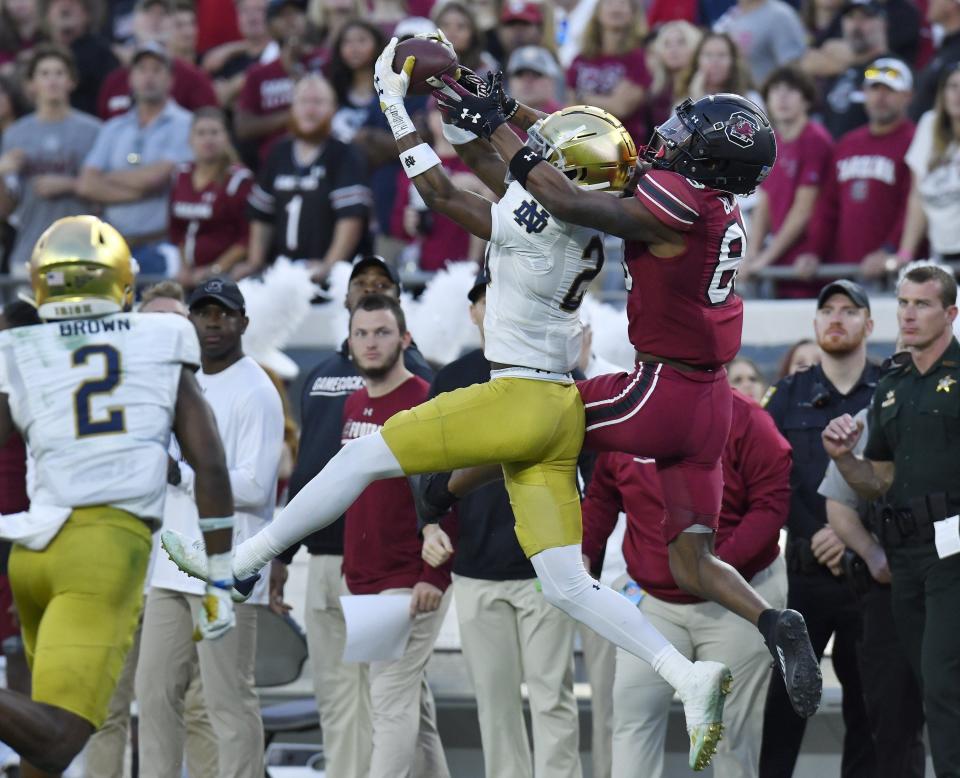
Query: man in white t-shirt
x=249, y=417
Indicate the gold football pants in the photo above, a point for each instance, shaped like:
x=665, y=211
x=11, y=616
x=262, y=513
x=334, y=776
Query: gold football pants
x=533, y=428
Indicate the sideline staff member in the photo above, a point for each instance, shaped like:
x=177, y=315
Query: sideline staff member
x=913, y=457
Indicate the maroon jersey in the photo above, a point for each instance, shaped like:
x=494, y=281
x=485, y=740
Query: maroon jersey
x=685, y=307
x=756, y=501
x=207, y=222
x=863, y=202
x=192, y=89
x=381, y=549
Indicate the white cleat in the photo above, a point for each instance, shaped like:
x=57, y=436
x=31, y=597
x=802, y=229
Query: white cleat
x=703, y=694
x=191, y=557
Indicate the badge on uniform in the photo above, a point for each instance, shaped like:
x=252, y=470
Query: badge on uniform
x=944, y=384
x=889, y=400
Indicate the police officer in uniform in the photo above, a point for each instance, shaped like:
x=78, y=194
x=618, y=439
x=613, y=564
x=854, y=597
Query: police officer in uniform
x=912, y=458
x=802, y=405
x=891, y=692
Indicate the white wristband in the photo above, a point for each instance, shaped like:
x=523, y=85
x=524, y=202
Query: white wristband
x=220, y=568
x=418, y=160
x=398, y=119
x=456, y=136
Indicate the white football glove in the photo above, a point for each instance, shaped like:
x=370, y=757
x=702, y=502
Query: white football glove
x=391, y=86
x=216, y=614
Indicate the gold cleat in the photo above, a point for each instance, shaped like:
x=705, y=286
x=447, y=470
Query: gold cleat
x=703, y=705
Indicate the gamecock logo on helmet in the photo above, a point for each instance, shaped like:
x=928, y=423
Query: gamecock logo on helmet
x=741, y=129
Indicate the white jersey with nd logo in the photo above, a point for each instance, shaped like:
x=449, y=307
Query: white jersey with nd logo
x=539, y=270
x=95, y=401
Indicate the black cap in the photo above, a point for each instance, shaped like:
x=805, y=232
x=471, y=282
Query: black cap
x=851, y=289
x=479, y=287
x=274, y=7
x=374, y=260
x=871, y=7
x=221, y=290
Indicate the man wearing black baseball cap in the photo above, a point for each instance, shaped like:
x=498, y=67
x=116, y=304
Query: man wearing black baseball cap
x=218, y=289
x=801, y=406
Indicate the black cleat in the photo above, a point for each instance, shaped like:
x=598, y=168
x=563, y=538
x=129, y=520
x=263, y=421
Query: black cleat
x=798, y=663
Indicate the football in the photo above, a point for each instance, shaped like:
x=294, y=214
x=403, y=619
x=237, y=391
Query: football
x=433, y=60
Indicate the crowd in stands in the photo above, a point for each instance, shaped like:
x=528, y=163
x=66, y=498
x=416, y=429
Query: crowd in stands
x=100, y=111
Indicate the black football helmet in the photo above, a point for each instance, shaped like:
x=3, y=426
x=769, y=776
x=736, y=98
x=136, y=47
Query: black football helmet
x=723, y=141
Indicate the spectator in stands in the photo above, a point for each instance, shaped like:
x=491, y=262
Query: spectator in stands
x=660, y=12
x=74, y=24
x=227, y=64
x=208, y=203
x=865, y=34
x=183, y=31
x=19, y=30
x=387, y=14
x=249, y=417
x=191, y=89
x=830, y=54
x=216, y=24
x=669, y=57
x=945, y=14
x=381, y=550
x=350, y=71
x=786, y=199
x=503, y=614
x=523, y=23
x=801, y=406
x=744, y=376
x=860, y=213
x=433, y=239
x=821, y=18
x=12, y=107
x=104, y=756
x=533, y=72
x=610, y=72
x=717, y=66
x=263, y=108
x=802, y=355
x=933, y=211
x=768, y=32
x=460, y=26
x=327, y=17
x=340, y=688
x=42, y=154
x=311, y=201
x=756, y=495
x=130, y=167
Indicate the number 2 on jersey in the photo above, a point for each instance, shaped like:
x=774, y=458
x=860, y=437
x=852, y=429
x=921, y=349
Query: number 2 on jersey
x=733, y=246
x=592, y=253
x=115, y=421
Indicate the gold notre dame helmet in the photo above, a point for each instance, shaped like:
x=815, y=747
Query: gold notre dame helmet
x=81, y=267
x=588, y=144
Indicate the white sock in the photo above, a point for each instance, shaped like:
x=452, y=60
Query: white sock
x=321, y=502
x=567, y=585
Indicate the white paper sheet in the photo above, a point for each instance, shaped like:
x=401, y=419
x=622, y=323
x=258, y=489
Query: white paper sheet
x=378, y=626
x=947, y=537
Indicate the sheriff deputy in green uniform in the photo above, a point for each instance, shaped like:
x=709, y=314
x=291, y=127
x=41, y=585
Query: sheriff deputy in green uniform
x=913, y=457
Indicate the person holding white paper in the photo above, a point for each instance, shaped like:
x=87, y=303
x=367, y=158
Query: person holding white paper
x=381, y=550
x=913, y=459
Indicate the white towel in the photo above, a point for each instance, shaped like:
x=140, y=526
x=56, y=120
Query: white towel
x=34, y=528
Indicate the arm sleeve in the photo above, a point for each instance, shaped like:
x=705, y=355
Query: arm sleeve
x=764, y=461
x=350, y=195
x=601, y=507
x=670, y=199
x=259, y=444
x=261, y=203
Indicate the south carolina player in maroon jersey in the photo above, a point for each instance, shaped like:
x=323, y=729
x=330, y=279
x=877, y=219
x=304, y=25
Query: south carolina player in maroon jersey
x=208, y=202
x=684, y=242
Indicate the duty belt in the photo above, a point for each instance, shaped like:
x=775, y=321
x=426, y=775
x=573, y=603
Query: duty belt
x=913, y=526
